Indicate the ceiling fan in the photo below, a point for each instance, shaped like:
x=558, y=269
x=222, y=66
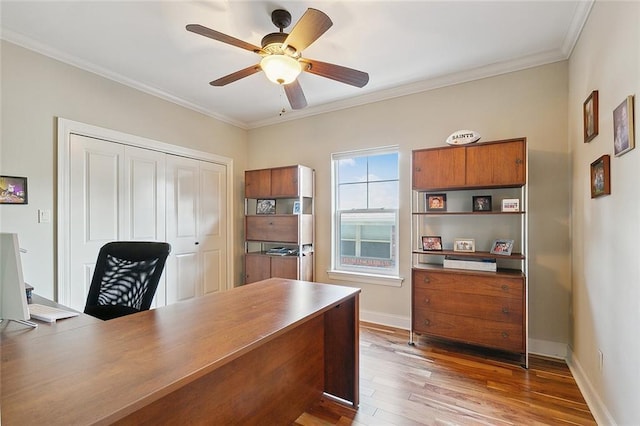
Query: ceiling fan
x=281, y=53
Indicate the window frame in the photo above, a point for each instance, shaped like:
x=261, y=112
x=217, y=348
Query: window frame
x=358, y=273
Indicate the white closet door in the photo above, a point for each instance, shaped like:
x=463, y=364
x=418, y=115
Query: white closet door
x=117, y=193
x=196, y=228
x=183, y=277
x=96, y=211
x=144, y=205
x=213, y=227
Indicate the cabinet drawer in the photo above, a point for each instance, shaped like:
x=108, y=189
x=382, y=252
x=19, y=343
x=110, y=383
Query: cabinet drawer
x=479, y=284
x=272, y=228
x=502, y=309
x=506, y=336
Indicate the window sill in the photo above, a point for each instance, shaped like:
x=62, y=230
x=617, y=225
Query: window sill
x=390, y=281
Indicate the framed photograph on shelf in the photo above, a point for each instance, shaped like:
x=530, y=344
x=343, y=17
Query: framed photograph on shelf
x=502, y=247
x=467, y=245
x=600, y=177
x=511, y=205
x=296, y=207
x=623, y=133
x=590, y=116
x=13, y=190
x=431, y=243
x=266, y=207
x=481, y=203
x=436, y=202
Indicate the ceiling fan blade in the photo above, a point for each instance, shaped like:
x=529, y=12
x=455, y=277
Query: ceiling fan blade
x=216, y=35
x=308, y=29
x=336, y=72
x=223, y=81
x=295, y=95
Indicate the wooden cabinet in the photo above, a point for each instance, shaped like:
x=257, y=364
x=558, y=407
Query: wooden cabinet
x=479, y=307
x=470, y=307
x=279, y=244
x=486, y=165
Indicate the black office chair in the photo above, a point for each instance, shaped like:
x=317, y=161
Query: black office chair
x=125, y=278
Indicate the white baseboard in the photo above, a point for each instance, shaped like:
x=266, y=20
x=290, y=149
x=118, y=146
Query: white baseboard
x=599, y=411
x=397, y=321
x=548, y=349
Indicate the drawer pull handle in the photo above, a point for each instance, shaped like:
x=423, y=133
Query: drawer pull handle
x=426, y=280
x=505, y=310
x=505, y=287
x=427, y=300
x=427, y=322
x=505, y=335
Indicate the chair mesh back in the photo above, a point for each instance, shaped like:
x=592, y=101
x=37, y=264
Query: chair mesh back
x=125, y=282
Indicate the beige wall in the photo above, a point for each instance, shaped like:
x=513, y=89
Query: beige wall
x=606, y=230
x=530, y=103
x=36, y=90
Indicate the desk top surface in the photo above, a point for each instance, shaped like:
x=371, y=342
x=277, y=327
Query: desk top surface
x=128, y=362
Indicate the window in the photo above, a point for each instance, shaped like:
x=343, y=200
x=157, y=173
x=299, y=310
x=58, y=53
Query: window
x=365, y=214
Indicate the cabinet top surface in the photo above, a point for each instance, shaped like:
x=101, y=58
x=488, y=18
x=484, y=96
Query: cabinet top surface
x=471, y=145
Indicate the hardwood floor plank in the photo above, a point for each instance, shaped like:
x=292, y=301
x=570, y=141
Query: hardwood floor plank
x=439, y=383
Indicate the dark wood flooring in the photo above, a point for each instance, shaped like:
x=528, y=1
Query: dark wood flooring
x=439, y=383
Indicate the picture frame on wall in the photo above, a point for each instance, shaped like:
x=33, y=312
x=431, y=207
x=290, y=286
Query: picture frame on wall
x=590, y=116
x=436, y=202
x=13, y=190
x=465, y=245
x=481, y=203
x=296, y=207
x=600, y=177
x=431, y=243
x=623, y=132
x=266, y=206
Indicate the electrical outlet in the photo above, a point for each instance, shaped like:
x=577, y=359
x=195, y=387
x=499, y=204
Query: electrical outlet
x=600, y=360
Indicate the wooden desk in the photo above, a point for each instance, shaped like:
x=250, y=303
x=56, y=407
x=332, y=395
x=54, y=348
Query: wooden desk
x=258, y=354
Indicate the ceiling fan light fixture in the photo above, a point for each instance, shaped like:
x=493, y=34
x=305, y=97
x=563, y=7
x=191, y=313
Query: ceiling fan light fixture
x=281, y=69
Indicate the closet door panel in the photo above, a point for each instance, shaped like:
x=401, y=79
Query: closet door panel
x=95, y=209
x=182, y=266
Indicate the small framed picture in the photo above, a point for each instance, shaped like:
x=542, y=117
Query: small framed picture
x=431, y=243
x=502, y=247
x=436, y=202
x=623, y=133
x=481, y=203
x=511, y=205
x=13, y=190
x=590, y=116
x=296, y=207
x=266, y=207
x=600, y=182
x=464, y=245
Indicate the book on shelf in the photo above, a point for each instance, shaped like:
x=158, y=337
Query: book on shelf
x=282, y=251
x=475, y=264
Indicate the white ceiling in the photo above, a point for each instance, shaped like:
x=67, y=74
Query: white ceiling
x=405, y=46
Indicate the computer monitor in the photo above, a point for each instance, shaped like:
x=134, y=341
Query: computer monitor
x=13, y=296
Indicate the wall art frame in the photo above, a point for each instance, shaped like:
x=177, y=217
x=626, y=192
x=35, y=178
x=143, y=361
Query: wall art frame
x=13, y=190
x=600, y=176
x=590, y=117
x=623, y=131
